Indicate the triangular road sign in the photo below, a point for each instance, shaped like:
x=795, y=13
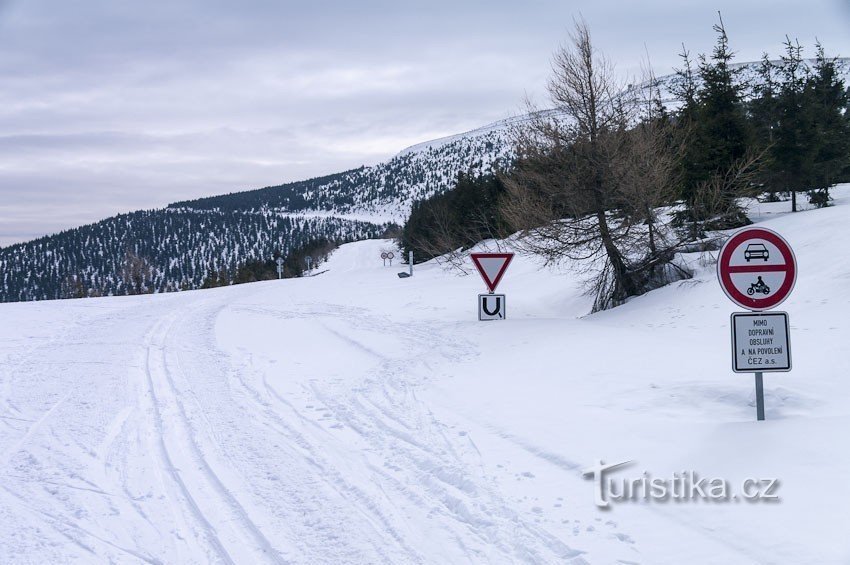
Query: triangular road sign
x=492, y=267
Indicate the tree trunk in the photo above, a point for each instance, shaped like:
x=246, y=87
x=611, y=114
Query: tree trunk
x=651, y=224
x=622, y=281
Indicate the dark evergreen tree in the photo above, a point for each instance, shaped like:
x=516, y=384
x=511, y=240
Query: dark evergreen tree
x=794, y=143
x=685, y=89
x=826, y=99
x=723, y=131
x=764, y=117
x=456, y=219
x=718, y=139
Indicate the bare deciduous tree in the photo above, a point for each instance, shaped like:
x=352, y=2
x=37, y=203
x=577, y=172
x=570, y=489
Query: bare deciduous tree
x=590, y=176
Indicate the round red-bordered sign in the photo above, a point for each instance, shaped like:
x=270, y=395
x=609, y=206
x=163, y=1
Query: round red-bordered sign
x=757, y=269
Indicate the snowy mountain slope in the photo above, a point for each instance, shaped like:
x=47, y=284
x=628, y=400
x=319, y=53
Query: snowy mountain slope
x=354, y=417
x=383, y=192
x=386, y=191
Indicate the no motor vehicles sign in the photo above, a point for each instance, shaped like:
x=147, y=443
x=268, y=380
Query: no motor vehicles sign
x=757, y=269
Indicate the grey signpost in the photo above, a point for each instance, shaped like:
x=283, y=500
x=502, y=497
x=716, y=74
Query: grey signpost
x=757, y=270
x=309, y=262
x=409, y=273
x=279, y=261
x=760, y=343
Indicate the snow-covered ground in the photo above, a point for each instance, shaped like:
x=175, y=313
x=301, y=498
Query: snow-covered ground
x=355, y=417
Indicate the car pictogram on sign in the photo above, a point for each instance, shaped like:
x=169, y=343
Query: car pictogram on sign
x=756, y=251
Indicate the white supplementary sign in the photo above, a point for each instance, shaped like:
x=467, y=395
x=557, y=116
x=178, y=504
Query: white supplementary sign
x=760, y=342
x=491, y=307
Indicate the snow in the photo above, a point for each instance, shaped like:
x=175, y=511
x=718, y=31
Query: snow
x=355, y=417
x=502, y=127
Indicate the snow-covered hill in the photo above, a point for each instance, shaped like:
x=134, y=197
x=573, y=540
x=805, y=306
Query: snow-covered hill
x=386, y=191
x=355, y=417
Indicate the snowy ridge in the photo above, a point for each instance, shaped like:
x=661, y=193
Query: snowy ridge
x=501, y=126
x=749, y=76
x=387, y=190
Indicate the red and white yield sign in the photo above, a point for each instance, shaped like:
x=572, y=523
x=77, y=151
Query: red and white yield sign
x=757, y=268
x=492, y=267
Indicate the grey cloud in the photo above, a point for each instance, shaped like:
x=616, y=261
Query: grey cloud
x=113, y=105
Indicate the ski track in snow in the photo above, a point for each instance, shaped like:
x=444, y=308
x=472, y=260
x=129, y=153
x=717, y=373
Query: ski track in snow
x=168, y=453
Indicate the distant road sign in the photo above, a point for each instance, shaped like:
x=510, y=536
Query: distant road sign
x=491, y=307
x=384, y=256
x=757, y=268
x=492, y=267
x=760, y=342
x=390, y=255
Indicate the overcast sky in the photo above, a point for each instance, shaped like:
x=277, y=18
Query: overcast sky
x=110, y=106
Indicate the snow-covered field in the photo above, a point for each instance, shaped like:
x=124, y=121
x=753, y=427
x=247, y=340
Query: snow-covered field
x=355, y=417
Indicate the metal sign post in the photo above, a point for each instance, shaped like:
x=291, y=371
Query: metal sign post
x=309, y=262
x=279, y=261
x=410, y=261
x=759, y=397
x=757, y=270
x=760, y=344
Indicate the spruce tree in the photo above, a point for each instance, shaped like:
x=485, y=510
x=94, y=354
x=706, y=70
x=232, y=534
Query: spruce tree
x=723, y=124
x=685, y=89
x=718, y=134
x=794, y=142
x=764, y=117
x=827, y=100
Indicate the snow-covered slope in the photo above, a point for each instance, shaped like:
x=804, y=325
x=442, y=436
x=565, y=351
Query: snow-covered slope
x=387, y=190
x=355, y=417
